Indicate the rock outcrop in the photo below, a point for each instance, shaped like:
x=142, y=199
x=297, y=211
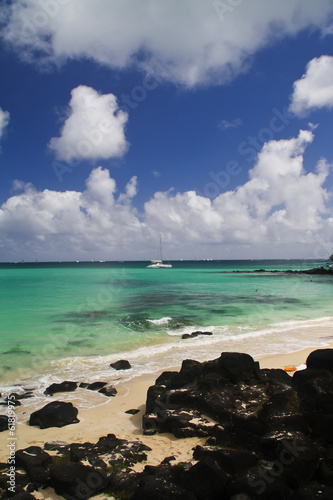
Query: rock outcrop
x=55, y=414
x=269, y=436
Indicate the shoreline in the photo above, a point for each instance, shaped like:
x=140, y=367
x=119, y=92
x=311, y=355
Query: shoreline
x=110, y=417
x=289, y=336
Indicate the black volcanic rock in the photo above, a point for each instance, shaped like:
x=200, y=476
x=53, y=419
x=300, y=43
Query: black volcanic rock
x=96, y=386
x=65, y=386
x=153, y=488
x=315, y=389
x=269, y=437
x=77, y=480
x=124, y=481
x=54, y=414
x=195, y=334
x=122, y=364
x=206, y=479
x=132, y=411
x=238, y=366
x=3, y=423
x=320, y=359
x=35, y=462
x=108, y=391
x=117, y=452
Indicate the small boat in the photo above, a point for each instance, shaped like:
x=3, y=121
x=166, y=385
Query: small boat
x=159, y=264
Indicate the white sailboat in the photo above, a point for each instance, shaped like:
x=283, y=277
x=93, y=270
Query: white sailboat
x=159, y=264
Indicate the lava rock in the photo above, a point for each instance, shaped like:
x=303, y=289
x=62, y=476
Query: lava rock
x=258, y=482
x=195, y=334
x=3, y=423
x=78, y=480
x=62, y=387
x=315, y=389
x=108, y=391
x=320, y=359
x=238, y=367
x=206, y=479
x=124, y=483
x=152, y=488
x=96, y=386
x=54, y=414
x=122, y=364
x=35, y=462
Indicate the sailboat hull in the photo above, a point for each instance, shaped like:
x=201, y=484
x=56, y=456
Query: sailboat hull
x=159, y=266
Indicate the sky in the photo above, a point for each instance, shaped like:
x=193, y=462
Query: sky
x=206, y=122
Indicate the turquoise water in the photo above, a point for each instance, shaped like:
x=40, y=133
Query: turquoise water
x=72, y=319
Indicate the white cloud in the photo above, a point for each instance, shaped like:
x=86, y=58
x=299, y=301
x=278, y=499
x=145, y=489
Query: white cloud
x=130, y=190
x=281, y=211
x=315, y=89
x=4, y=120
x=190, y=42
x=94, y=128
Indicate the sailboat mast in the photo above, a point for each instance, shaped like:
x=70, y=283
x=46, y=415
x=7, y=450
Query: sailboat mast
x=161, y=248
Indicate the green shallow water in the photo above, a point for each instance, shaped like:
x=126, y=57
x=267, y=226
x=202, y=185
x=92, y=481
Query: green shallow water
x=84, y=311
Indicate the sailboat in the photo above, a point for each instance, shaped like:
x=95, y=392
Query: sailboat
x=159, y=264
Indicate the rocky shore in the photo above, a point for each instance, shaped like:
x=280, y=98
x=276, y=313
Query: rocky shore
x=316, y=270
x=266, y=435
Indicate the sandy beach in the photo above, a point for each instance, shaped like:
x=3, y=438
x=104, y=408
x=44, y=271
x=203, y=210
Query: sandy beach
x=111, y=417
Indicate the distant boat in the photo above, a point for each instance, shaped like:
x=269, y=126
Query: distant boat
x=159, y=264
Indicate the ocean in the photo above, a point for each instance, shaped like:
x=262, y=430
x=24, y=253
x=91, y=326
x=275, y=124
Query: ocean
x=69, y=321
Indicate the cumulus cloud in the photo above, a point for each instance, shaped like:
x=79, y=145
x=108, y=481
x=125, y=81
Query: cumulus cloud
x=94, y=128
x=281, y=209
x=315, y=89
x=69, y=225
x=4, y=120
x=190, y=42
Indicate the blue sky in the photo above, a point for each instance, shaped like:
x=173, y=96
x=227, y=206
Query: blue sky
x=124, y=120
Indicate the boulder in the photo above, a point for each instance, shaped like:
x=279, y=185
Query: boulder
x=153, y=488
x=262, y=481
x=231, y=460
x=13, y=399
x=77, y=480
x=238, y=367
x=190, y=370
x=108, y=451
x=54, y=414
x=171, y=380
x=122, y=364
x=315, y=389
x=320, y=359
x=35, y=462
x=3, y=423
x=109, y=391
x=62, y=387
x=206, y=479
x=123, y=483
x=96, y=386
x=163, y=481
x=195, y=334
